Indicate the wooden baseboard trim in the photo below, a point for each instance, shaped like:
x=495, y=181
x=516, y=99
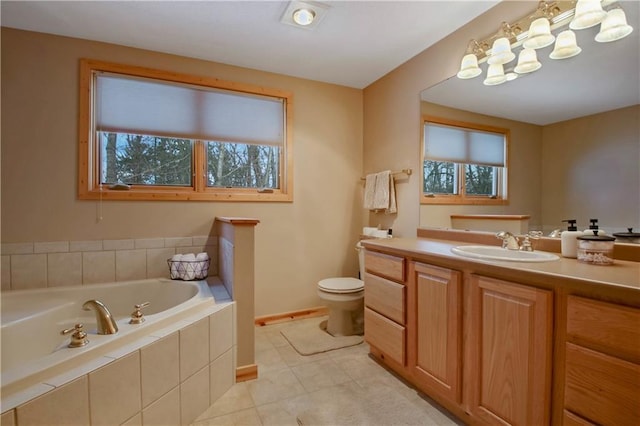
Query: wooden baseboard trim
x=246, y=372
x=290, y=316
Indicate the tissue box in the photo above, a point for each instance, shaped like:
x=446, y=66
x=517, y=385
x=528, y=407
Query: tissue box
x=188, y=270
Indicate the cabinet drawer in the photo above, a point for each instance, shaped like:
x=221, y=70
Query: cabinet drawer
x=601, y=388
x=385, y=265
x=385, y=297
x=606, y=327
x=385, y=335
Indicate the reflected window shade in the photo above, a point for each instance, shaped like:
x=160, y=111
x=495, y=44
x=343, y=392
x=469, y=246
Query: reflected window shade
x=460, y=145
x=138, y=106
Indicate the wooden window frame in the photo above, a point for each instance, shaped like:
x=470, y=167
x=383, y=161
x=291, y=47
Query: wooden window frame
x=89, y=187
x=461, y=198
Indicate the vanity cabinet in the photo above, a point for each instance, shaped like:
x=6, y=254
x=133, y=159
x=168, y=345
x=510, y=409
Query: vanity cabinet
x=435, y=329
x=602, y=363
x=511, y=347
x=385, y=305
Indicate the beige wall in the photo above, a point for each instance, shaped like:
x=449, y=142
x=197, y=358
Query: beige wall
x=392, y=120
x=297, y=243
x=591, y=169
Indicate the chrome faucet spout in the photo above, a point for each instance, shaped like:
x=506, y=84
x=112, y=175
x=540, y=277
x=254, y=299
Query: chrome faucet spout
x=509, y=241
x=105, y=322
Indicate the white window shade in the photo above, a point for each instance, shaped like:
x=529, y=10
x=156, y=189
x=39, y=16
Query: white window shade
x=460, y=145
x=140, y=106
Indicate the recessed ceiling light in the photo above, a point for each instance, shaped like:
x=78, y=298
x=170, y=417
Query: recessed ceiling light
x=304, y=14
x=303, y=17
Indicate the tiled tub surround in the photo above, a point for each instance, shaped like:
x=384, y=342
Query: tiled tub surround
x=63, y=263
x=168, y=373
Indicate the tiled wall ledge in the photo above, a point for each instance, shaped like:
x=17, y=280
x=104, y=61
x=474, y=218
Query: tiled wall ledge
x=63, y=263
x=167, y=378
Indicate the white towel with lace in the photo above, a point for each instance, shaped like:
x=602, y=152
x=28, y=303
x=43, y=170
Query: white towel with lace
x=380, y=193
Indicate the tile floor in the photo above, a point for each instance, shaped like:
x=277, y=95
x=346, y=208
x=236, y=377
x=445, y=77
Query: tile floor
x=340, y=387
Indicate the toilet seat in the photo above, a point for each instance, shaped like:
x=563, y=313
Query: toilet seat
x=341, y=285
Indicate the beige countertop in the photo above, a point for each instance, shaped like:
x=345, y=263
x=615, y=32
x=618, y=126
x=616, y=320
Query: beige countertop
x=621, y=274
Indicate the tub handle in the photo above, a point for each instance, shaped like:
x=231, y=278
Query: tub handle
x=137, y=317
x=78, y=338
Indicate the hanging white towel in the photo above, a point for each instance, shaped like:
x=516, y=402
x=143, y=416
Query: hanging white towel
x=369, y=191
x=380, y=193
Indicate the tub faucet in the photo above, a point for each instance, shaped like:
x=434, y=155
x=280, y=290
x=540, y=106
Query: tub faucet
x=104, y=320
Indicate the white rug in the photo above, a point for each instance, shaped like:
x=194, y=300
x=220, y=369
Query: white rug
x=309, y=337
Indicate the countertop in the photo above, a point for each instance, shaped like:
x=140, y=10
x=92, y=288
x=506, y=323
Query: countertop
x=622, y=273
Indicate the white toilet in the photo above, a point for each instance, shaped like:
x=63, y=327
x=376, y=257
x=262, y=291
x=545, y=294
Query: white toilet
x=345, y=299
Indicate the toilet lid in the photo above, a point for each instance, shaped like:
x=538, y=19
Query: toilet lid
x=341, y=285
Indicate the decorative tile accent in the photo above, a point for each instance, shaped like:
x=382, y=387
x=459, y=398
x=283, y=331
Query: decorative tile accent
x=178, y=242
x=149, y=243
x=85, y=245
x=51, y=247
x=160, y=368
x=118, y=244
x=205, y=240
x=114, y=391
x=98, y=267
x=17, y=248
x=6, y=273
x=28, y=271
x=131, y=265
x=194, y=348
x=66, y=405
x=64, y=269
x=134, y=421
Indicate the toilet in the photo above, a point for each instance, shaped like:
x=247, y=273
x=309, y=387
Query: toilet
x=345, y=298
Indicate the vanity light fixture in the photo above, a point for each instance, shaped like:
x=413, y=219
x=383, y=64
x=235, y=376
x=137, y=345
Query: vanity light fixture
x=533, y=32
x=587, y=14
x=304, y=14
x=614, y=26
x=527, y=61
x=566, y=46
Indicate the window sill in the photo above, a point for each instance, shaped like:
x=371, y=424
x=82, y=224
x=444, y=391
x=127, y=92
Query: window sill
x=170, y=195
x=472, y=201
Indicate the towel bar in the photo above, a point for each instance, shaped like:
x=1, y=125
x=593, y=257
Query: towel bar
x=397, y=172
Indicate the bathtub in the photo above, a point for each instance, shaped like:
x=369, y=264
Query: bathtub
x=33, y=349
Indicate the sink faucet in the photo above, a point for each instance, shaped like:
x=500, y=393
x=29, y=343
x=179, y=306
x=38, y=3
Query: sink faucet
x=511, y=242
x=104, y=320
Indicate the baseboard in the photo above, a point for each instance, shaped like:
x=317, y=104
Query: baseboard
x=246, y=372
x=291, y=316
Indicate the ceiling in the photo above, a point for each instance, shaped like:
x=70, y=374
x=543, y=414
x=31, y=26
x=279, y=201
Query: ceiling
x=356, y=43
x=603, y=77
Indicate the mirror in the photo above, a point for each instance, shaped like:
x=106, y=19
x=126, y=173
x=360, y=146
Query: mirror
x=575, y=142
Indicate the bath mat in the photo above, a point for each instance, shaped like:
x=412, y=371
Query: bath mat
x=309, y=337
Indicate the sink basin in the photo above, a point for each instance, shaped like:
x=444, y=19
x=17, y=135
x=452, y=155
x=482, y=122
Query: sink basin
x=498, y=253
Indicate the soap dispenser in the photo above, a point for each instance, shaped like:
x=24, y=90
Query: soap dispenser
x=569, y=240
x=593, y=228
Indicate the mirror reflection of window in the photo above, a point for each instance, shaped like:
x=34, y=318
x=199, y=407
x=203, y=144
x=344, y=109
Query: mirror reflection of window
x=463, y=163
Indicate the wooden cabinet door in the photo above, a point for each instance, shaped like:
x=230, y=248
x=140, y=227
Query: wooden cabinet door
x=434, y=321
x=511, y=347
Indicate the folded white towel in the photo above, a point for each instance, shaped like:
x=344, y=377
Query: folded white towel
x=189, y=257
x=202, y=256
x=176, y=257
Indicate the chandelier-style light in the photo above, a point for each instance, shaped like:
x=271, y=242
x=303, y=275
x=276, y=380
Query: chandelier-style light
x=533, y=32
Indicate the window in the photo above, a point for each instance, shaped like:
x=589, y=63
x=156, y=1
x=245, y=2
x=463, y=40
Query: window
x=463, y=163
x=154, y=135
